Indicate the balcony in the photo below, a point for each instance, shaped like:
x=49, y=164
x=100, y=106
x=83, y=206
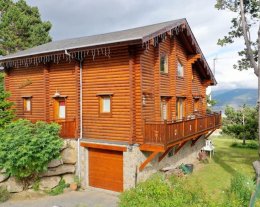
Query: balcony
x=162, y=135
x=68, y=128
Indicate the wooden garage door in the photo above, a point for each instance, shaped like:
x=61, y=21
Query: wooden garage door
x=106, y=169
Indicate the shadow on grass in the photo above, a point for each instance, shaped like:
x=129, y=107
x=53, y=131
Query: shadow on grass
x=224, y=165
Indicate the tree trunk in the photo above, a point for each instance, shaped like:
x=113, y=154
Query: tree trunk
x=250, y=56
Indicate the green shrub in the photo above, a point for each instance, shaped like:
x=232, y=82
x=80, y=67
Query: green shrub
x=59, y=188
x=248, y=145
x=6, y=112
x=27, y=148
x=157, y=191
x=240, y=191
x=4, y=195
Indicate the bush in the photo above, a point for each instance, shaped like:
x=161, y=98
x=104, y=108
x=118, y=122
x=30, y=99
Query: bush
x=157, y=191
x=249, y=145
x=27, y=148
x=4, y=195
x=58, y=189
x=240, y=191
x=6, y=113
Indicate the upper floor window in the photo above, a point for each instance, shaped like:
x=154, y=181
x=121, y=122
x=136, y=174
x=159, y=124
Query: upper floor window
x=27, y=104
x=105, y=104
x=164, y=63
x=180, y=69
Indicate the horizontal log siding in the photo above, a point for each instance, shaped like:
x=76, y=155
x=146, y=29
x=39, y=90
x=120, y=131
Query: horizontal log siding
x=62, y=78
x=138, y=85
x=107, y=75
x=18, y=77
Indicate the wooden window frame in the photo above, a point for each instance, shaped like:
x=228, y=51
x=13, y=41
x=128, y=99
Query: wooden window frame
x=57, y=100
x=165, y=99
x=25, y=98
x=196, y=101
x=100, y=102
x=179, y=62
x=166, y=70
x=178, y=108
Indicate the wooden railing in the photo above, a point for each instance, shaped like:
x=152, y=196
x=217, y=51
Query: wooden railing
x=68, y=128
x=165, y=133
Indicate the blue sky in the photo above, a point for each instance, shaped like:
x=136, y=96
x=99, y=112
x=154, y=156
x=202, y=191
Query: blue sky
x=87, y=17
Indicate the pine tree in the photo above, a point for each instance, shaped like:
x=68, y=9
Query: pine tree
x=21, y=27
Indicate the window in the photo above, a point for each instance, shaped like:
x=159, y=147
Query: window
x=105, y=104
x=164, y=108
x=179, y=69
x=60, y=108
x=196, y=104
x=27, y=104
x=164, y=63
x=180, y=108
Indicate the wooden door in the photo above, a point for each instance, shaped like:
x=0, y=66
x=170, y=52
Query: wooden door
x=106, y=169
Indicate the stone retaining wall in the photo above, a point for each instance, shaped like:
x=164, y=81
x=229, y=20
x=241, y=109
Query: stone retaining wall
x=63, y=168
x=134, y=158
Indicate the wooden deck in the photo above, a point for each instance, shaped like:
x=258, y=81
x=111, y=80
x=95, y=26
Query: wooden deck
x=162, y=135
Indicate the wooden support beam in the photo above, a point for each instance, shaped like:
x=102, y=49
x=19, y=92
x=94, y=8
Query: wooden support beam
x=165, y=153
x=149, y=159
x=194, y=141
x=209, y=133
x=104, y=146
x=179, y=147
x=194, y=58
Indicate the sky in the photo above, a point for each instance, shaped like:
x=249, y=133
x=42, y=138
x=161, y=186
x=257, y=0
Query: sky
x=76, y=18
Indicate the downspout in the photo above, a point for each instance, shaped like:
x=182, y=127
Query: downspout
x=80, y=112
x=81, y=116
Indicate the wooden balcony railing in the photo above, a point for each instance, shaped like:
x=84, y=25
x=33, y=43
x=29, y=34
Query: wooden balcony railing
x=68, y=128
x=166, y=133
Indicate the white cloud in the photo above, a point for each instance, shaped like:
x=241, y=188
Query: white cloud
x=86, y=17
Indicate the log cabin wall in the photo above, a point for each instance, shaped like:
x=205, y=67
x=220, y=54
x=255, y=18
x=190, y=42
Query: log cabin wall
x=27, y=82
x=107, y=75
x=41, y=82
x=156, y=84
x=62, y=78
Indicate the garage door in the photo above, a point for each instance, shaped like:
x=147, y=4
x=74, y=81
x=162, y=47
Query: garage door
x=106, y=169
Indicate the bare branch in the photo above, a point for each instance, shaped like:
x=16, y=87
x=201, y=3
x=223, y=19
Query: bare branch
x=247, y=42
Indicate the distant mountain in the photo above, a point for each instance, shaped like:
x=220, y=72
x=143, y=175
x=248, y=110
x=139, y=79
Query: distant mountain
x=235, y=98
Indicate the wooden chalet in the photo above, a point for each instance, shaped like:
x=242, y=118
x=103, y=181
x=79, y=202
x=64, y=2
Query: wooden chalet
x=143, y=87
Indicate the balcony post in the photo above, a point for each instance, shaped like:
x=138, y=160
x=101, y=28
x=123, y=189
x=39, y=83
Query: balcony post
x=196, y=124
x=183, y=127
x=165, y=132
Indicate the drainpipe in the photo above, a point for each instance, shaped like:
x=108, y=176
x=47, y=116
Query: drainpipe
x=81, y=113
x=81, y=116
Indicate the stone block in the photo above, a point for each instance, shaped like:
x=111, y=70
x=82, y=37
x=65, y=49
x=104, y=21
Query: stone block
x=49, y=182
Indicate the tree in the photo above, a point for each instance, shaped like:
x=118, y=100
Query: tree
x=241, y=123
x=6, y=112
x=21, y=27
x=246, y=22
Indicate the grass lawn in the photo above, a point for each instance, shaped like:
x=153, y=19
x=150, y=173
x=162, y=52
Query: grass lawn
x=215, y=175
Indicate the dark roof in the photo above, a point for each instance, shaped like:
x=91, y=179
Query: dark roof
x=139, y=33
x=142, y=34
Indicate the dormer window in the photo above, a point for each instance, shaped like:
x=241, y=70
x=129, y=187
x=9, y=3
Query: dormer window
x=164, y=63
x=180, y=69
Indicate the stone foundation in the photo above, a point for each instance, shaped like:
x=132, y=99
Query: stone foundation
x=63, y=168
x=133, y=158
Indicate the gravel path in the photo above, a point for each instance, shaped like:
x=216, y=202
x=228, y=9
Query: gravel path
x=87, y=198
